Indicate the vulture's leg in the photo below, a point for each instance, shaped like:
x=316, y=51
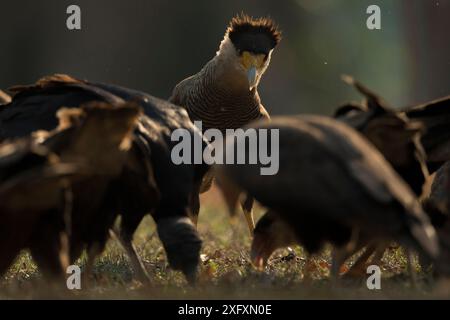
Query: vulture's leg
x=360, y=265
x=372, y=256
x=379, y=253
x=247, y=207
x=51, y=255
x=427, y=266
x=339, y=256
x=49, y=246
x=136, y=263
x=93, y=251
x=411, y=267
x=125, y=237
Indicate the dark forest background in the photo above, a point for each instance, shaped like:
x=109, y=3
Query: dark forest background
x=152, y=45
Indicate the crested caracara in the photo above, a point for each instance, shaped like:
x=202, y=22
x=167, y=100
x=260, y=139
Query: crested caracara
x=224, y=93
x=332, y=186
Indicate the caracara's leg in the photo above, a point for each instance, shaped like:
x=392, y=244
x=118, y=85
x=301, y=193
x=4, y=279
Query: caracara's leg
x=206, y=182
x=247, y=207
x=429, y=269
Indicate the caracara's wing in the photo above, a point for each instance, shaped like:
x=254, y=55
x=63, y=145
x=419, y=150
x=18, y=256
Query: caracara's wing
x=184, y=90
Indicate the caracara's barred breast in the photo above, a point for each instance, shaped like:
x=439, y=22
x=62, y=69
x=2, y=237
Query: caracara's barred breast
x=215, y=106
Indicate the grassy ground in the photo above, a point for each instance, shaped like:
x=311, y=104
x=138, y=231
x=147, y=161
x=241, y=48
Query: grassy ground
x=225, y=270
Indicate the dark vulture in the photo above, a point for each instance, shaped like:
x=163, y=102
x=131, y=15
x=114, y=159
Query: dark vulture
x=332, y=186
x=149, y=162
x=33, y=190
x=224, y=93
x=94, y=141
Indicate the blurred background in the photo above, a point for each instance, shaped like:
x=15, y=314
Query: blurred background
x=152, y=45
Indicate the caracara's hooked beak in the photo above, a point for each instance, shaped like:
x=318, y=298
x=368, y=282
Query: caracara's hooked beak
x=251, y=63
x=251, y=76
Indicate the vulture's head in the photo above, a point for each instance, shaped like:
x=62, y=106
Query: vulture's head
x=248, y=45
x=271, y=233
x=182, y=245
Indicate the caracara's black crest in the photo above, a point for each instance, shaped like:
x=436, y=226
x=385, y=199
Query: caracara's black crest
x=255, y=35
